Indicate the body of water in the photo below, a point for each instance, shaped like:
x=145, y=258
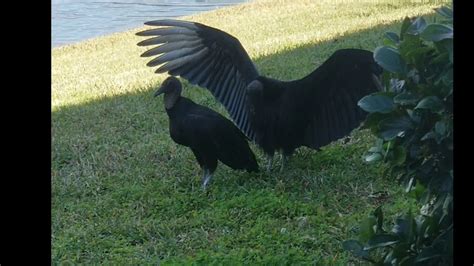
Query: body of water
x=77, y=20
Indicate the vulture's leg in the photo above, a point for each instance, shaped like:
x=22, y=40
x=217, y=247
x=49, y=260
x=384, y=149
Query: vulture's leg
x=284, y=161
x=269, y=162
x=285, y=157
x=206, y=177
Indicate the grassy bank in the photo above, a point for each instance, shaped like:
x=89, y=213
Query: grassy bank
x=124, y=193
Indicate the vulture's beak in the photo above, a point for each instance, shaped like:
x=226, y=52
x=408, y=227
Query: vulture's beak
x=159, y=91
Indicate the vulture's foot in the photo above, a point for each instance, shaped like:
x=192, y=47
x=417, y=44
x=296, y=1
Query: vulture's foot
x=284, y=161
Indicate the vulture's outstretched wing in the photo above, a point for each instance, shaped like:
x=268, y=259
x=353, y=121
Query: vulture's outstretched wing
x=207, y=57
x=336, y=87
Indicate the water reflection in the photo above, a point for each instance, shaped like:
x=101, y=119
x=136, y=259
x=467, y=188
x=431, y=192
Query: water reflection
x=77, y=20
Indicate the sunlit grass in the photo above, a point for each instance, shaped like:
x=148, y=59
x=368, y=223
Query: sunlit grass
x=124, y=193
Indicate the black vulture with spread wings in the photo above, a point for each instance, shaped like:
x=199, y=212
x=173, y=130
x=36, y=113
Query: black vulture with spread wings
x=277, y=115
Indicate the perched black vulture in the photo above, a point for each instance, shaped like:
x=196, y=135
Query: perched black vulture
x=277, y=115
x=210, y=136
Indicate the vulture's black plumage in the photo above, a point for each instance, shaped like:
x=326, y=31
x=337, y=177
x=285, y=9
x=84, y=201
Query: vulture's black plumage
x=277, y=115
x=210, y=136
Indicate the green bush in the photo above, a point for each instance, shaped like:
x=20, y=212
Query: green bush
x=413, y=121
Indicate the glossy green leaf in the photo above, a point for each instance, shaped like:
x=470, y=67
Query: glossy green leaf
x=392, y=37
x=389, y=59
x=373, y=119
x=437, y=32
x=375, y=149
x=406, y=98
x=432, y=103
x=414, y=116
x=356, y=248
x=445, y=12
x=396, y=126
x=382, y=240
x=429, y=135
x=417, y=26
x=374, y=157
x=376, y=104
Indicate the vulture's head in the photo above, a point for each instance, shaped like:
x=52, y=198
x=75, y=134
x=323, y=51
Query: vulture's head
x=171, y=87
x=254, y=92
x=255, y=88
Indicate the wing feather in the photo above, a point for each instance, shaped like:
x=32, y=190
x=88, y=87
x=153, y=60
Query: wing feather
x=337, y=85
x=207, y=57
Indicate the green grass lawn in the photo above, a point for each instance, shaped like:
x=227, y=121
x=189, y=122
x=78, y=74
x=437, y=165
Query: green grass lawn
x=124, y=193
